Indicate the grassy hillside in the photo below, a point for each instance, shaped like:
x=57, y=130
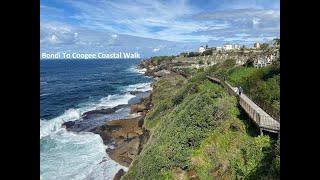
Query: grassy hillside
x=197, y=131
x=262, y=85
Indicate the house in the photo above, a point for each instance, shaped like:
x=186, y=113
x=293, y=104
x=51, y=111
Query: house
x=227, y=47
x=262, y=62
x=219, y=48
x=256, y=45
x=236, y=46
x=202, y=49
x=240, y=61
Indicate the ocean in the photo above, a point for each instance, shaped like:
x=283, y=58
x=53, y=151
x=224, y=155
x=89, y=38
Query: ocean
x=69, y=88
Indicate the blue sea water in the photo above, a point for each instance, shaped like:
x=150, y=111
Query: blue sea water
x=69, y=88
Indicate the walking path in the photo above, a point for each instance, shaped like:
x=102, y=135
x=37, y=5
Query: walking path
x=258, y=115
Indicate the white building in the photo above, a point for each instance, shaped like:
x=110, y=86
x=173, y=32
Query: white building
x=256, y=45
x=218, y=48
x=262, y=62
x=227, y=47
x=201, y=49
x=236, y=46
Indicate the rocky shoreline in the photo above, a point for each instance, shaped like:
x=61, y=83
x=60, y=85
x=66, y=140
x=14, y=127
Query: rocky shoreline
x=125, y=136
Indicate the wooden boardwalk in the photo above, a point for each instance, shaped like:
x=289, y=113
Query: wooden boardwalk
x=258, y=115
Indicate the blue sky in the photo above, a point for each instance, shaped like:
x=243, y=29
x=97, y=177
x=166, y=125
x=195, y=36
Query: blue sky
x=154, y=27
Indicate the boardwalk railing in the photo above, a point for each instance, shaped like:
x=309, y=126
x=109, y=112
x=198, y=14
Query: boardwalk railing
x=258, y=115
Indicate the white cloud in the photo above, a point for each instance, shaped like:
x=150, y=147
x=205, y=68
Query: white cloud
x=53, y=39
x=155, y=49
x=129, y=25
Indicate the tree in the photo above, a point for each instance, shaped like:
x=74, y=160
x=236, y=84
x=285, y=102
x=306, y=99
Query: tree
x=183, y=54
x=193, y=54
x=264, y=46
x=276, y=42
x=207, y=52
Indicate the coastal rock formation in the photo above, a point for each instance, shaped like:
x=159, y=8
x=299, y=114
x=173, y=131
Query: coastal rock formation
x=126, y=135
x=119, y=174
x=91, y=119
x=135, y=108
x=161, y=73
x=87, y=115
x=134, y=92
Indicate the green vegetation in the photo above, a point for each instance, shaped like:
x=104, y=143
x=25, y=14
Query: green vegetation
x=198, y=131
x=207, y=52
x=276, y=42
x=262, y=85
x=230, y=153
x=188, y=70
x=164, y=91
x=264, y=46
x=193, y=54
x=197, y=128
x=160, y=59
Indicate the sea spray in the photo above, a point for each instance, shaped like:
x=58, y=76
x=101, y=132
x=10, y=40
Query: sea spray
x=68, y=155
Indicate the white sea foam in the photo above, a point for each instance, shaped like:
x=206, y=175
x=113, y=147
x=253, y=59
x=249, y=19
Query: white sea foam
x=54, y=125
x=143, y=87
x=75, y=156
x=51, y=126
x=137, y=70
x=45, y=94
x=115, y=100
x=67, y=155
x=141, y=71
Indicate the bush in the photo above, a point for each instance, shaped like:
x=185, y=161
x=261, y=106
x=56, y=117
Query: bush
x=195, y=125
x=229, y=63
x=197, y=114
x=207, y=52
x=193, y=54
x=160, y=59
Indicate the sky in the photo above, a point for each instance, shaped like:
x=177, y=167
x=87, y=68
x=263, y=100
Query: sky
x=154, y=27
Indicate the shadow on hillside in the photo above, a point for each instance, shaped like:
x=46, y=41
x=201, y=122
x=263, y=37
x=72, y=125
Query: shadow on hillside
x=266, y=169
x=251, y=128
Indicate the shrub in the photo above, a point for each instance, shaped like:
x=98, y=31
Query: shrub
x=193, y=54
x=160, y=59
x=207, y=52
x=182, y=129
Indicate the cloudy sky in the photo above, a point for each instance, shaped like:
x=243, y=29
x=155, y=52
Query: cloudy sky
x=154, y=27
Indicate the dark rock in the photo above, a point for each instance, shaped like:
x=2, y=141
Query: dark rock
x=68, y=124
x=119, y=174
x=135, y=108
x=91, y=120
x=135, y=92
x=143, y=139
x=161, y=73
x=126, y=135
x=235, y=127
x=103, y=111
